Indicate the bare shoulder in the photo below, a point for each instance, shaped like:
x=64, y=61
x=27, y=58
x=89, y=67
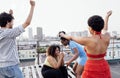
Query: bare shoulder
x=85, y=40
x=50, y=58
x=105, y=33
x=106, y=38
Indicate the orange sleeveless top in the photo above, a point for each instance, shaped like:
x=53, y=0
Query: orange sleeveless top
x=95, y=56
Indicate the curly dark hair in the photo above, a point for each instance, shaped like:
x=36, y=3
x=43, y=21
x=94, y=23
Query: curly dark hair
x=5, y=18
x=96, y=23
x=51, y=50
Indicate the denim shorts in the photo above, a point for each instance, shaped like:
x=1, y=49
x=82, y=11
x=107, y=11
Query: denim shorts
x=81, y=60
x=11, y=72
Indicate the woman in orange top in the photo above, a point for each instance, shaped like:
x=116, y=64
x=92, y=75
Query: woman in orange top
x=95, y=47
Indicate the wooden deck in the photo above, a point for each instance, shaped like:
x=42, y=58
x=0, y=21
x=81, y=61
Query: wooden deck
x=35, y=71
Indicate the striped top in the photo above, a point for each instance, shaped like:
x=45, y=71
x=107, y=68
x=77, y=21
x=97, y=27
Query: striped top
x=8, y=48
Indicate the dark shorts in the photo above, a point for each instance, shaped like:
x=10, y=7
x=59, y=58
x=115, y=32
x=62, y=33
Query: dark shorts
x=49, y=72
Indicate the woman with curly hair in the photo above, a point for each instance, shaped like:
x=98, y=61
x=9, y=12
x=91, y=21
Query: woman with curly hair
x=54, y=63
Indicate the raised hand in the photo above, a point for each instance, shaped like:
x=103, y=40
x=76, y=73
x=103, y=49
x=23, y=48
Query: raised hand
x=32, y=2
x=109, y=13
x=11, y=11
x=30, y=15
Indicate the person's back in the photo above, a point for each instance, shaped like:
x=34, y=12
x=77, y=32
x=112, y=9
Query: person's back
x=96, y=66
x=98, y=44
x=9, y=58
x=8, y=48
x=81, y=52
x=95, y=46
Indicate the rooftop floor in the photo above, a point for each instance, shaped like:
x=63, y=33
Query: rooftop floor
x=31, y=70
x=35, y=71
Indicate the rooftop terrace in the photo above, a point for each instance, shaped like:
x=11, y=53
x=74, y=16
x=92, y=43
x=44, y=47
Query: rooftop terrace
x=34, y=71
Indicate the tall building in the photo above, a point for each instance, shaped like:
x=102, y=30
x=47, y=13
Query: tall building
x=39, y=34
x=30, y=33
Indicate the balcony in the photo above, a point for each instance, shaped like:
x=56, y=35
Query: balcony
x=34, y=71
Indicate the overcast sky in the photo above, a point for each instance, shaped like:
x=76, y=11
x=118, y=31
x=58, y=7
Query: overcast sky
x=67, y=15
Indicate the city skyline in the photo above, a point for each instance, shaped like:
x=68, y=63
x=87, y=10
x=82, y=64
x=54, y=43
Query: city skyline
x=42, y=36
x=68, y=15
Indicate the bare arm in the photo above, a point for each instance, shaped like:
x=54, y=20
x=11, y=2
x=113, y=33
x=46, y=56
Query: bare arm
x=54, y=63
x=74, y=56
x=80, y=40
x=106, y=21
x=29, y=18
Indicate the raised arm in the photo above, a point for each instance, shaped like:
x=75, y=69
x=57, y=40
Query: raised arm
x=29, y=18
x=106, y=21
x=75, y=56
x=11, y=11
x=80, y=40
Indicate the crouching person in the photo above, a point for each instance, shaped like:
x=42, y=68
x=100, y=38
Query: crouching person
x=54, y=63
